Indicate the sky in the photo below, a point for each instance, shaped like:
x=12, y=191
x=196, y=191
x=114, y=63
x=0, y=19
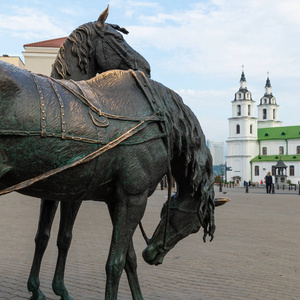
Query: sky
x=196, y=48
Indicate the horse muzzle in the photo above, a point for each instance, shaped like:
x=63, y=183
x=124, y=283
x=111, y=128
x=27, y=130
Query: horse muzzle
x=154, y=255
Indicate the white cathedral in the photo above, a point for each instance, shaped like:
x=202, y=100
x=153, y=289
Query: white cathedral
x=256, y=144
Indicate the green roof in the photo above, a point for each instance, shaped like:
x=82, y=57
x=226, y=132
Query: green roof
x=276, y=158
x=279, y=133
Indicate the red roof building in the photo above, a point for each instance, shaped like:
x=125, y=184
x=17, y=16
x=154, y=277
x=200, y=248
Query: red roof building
x=54, y=43
x=40, y=56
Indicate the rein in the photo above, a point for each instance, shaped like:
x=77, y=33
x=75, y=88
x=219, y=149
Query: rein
x=157, y=116
x=85, y=159
x=147, y=240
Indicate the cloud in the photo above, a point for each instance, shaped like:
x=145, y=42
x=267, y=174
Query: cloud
x=212, y=108
x=133, y=8
x=211, y=37
x=195, y=47
x=30, y=24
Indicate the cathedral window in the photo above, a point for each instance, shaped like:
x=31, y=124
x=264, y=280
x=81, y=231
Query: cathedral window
x=266, y=100
x=238, y=110
x=292, y=171
x=238, y=130
x=264, y=151
x=281, y=150
x=273, y=170
x=298, y=149
x=240, y=95
x=249, y=110
x=273, y=114
x=264, y=113
x=251, y=129
x=256, y=170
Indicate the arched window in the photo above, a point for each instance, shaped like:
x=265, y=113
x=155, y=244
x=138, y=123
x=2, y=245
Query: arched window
x=264, y=113
x=251, y=129
x=292, y=171
x=273, y=170
x=238, y=130
x=298, y=149
x=264, y=150
x=238, y=110
x=249, y=110
x=256, y=170
x=281, y=150
x=273, y=114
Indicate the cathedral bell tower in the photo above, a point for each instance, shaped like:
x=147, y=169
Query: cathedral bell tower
x=268, y=108
x=242, y=140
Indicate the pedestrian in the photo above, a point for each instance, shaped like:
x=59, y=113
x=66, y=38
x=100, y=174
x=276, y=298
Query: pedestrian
x=268, y=181
x=162, y=184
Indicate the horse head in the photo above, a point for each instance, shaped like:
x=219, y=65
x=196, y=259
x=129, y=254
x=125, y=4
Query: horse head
x=94, y=48
x=178, y=220
x=192, y=207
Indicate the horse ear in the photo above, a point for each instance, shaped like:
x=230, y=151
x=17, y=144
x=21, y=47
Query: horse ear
x=103, y=17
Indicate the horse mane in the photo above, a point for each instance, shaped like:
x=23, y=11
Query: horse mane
x=186, y=138
x=186, y=141
x=82, y=48
x=187, y=145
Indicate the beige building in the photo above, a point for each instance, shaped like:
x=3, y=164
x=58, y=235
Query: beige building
x=14, y=60
x=39, y=56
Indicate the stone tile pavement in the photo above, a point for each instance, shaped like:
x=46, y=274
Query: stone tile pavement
x=255, y=253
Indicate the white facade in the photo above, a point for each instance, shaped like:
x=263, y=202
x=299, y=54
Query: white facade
x=242, y=140
x=268, y=109
x=255, y=144
x=40, y=60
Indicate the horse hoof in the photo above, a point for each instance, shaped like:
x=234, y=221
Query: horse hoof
x=38, y=295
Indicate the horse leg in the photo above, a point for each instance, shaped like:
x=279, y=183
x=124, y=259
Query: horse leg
x=129, y=211
x=47, y=213
x=130, y=267
x=68, y=215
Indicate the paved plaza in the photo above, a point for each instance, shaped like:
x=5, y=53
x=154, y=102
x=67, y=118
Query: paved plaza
x=255, y=253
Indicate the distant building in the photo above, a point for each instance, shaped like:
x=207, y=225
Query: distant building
x=255, y=145
x=14, y=60
x=217, y=152
x=38, y=56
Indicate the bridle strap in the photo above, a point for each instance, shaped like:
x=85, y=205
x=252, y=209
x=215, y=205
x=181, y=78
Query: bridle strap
x=168, y=209
x=108, y=42
x=147, y=240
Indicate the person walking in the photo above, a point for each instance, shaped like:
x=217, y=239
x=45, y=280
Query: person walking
x=268, y=181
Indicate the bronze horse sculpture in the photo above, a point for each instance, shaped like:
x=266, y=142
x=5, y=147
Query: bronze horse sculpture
x=110, y=139
x=92, y=48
